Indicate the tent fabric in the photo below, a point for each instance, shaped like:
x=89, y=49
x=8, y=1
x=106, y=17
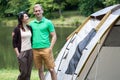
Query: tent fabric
x=78, y=52
x=113, y=40
x=117, y=12
x=103, y=11
x=106, y=66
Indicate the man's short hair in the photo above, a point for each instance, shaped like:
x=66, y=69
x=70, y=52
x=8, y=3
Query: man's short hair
x=36, y=5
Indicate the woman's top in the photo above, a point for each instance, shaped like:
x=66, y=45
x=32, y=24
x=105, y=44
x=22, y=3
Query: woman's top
x=18, y=42
x=25, y=39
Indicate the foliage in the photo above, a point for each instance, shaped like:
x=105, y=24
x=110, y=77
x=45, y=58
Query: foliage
x=72, y=2
x=87, y=6
x=111, y=2
x=3, y=7
x=60, y=5
x=16, y=6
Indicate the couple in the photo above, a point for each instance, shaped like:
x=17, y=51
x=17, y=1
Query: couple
x=32, y=41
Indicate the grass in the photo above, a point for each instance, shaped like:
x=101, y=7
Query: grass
x=69, y=17
x=11, y=74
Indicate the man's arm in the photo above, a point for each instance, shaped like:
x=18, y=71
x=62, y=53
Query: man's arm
x=53, y=39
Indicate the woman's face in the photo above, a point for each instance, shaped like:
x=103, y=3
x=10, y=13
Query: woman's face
x=25, y=18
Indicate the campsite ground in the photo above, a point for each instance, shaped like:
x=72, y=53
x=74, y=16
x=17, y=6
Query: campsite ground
x=11, y=74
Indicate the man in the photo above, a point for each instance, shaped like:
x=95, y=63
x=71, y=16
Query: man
x=42, y=46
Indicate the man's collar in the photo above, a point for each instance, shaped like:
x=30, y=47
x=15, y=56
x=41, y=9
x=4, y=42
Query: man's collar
x=36, y=21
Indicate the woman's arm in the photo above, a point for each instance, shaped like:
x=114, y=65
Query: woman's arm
x=14, y=40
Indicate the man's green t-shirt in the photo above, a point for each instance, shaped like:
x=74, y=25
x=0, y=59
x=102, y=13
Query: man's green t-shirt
x=41, y=31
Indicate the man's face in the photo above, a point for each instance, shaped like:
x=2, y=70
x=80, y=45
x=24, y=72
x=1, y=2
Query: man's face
x=38, y=11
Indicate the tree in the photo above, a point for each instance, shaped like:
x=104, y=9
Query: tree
x=72, y=2
x=60, y=5
x=111, y=2
x=3, y=7
x=87, y=7
x=15, y=6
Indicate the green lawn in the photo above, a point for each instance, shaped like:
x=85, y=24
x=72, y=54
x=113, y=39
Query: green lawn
x=11, y=74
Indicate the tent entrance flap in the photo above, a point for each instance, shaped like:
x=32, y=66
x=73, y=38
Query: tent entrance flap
x=78, y=52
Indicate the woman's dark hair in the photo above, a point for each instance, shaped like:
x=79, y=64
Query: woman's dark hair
x=20, y=17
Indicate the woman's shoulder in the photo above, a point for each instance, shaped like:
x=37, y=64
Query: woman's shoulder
x=16, y=29
x=29, y=27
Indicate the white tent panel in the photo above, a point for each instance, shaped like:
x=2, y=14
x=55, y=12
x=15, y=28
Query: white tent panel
x=104, y=11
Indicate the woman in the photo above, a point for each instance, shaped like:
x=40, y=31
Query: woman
x=22, y=46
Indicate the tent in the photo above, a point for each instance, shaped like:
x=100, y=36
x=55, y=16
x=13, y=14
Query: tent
x=92, y=50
